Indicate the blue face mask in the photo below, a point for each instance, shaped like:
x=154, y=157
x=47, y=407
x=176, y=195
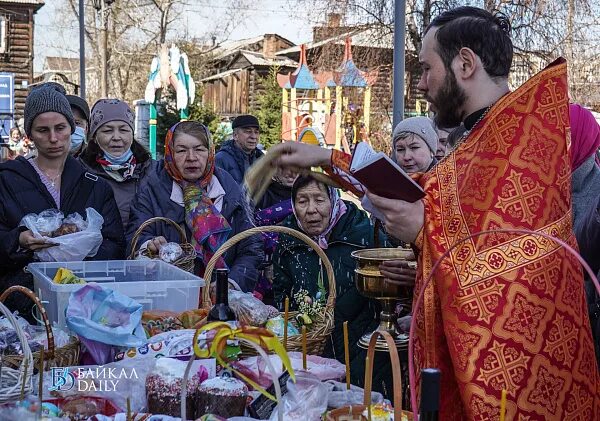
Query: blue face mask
x=77, y=138
x=118, y=160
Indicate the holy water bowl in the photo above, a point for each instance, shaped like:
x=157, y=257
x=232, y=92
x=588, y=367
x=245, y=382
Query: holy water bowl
x=372, y=284
x=369, y=280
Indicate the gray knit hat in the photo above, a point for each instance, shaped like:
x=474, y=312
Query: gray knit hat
x=422, y=127
x=107, y=110
x=45, y=98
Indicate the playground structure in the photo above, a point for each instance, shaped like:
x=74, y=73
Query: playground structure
x=336, y=103
x=170, y=68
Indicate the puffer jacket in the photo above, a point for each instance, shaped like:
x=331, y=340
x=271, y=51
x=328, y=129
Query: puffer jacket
x=235, y=161
x=154, y=199
x=22, y=192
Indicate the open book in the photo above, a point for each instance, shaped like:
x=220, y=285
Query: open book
x=382, y=176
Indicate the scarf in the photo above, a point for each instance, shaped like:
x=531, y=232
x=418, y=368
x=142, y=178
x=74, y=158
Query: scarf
x=119, y=172
x=338, y=209
x=585, y=135
x=209, y=228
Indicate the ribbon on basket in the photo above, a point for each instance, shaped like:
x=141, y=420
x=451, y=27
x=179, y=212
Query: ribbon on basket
x=259, y=336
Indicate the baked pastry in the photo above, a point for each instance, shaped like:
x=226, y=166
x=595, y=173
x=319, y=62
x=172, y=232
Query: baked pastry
x=65, y=229
x=223, y=396
x=163, y=389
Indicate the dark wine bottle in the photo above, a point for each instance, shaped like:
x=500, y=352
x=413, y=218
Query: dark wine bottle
x=221, y=312
x=430, y=394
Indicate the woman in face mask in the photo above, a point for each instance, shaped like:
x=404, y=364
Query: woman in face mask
x=113, y=154
x=81, y=114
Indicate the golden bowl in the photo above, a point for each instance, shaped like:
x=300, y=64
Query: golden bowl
x=369, y=280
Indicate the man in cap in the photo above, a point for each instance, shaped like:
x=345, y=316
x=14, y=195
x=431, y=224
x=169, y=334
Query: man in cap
x=239, y=153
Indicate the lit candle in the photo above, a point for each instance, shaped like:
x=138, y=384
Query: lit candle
x=286, y=315
x=347, y=355
x=304, y=347
x=503, y=405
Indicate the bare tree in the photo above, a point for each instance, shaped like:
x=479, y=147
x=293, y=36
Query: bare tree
x=136, y=30
x=542, y=30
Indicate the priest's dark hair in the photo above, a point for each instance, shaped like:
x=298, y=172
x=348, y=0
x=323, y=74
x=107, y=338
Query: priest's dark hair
x=487, y=34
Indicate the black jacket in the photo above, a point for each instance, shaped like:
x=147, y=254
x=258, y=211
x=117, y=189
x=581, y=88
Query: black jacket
x=22, y=192
x=154, y=199
x=235, y=161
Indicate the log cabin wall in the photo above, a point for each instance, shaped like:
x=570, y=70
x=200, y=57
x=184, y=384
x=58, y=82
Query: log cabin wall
x=18, y=55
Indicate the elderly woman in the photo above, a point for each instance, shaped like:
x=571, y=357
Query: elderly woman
x=188, y=189
x=113, y=154
x=339, y=228
x=52, y=180
x=415, y=144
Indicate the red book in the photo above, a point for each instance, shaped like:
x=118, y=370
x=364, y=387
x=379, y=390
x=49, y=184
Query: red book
x=382, y=176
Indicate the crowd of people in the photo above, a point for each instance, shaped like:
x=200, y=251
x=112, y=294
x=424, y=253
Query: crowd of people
x=470, y=171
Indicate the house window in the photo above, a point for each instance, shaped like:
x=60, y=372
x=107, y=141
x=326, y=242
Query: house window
x=3, y=34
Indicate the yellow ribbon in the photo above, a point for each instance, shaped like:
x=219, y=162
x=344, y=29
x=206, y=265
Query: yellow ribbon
x=257, y=335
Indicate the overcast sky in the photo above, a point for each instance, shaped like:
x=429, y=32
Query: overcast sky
x=264, y=16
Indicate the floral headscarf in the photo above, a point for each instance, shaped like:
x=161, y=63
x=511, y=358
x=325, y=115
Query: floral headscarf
x=209, y=228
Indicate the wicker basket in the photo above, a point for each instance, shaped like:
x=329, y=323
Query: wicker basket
x=64, y=356
x=185, y=262
x=355, y=412
x=322, y=326
x=16, y=383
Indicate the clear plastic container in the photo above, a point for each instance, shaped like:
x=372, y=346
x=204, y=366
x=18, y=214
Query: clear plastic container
x=153, y=283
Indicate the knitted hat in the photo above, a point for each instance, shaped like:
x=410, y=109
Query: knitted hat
x=45, y=98
x=81, y=104
x=422, y=127
x=107, y=110
x=246, y=120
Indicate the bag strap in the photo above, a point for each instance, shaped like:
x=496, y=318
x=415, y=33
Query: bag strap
x=86, y=185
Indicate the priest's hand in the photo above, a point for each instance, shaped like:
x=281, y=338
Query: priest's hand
x=301, y=155
x=398, y=272
x=403, y=220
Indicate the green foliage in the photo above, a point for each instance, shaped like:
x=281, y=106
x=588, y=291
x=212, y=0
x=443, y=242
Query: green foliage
x=269, y=110
x=168, y=115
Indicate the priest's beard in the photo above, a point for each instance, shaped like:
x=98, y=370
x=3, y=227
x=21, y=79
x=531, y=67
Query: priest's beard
x=448, y=102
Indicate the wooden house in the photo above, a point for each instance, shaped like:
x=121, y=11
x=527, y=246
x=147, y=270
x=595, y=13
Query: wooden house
x=239, y=68
x=372, y=50
x=16, y=46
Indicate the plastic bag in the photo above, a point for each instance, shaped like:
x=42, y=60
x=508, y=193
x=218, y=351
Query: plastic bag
x=44, y=223
x=170, y=252
x=306, y=399
x=339, y=396
x=102, y=317
x=276, y=326
x=76, y=220
x=70, y=247
x=320, y=367
x=248, y=309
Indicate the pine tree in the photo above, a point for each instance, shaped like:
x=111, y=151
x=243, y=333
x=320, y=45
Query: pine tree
x=269, y=110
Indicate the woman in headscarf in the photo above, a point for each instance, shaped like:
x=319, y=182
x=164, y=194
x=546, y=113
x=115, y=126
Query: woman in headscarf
x=113, y=154
x=188, y=189
x=339, y=228
x=52, y=180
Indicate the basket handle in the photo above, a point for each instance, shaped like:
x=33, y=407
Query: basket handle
x=261, y=353
x=396, y=373
x=258, y=230
x=149, y=222
x=27, y=355
x=31, y=295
